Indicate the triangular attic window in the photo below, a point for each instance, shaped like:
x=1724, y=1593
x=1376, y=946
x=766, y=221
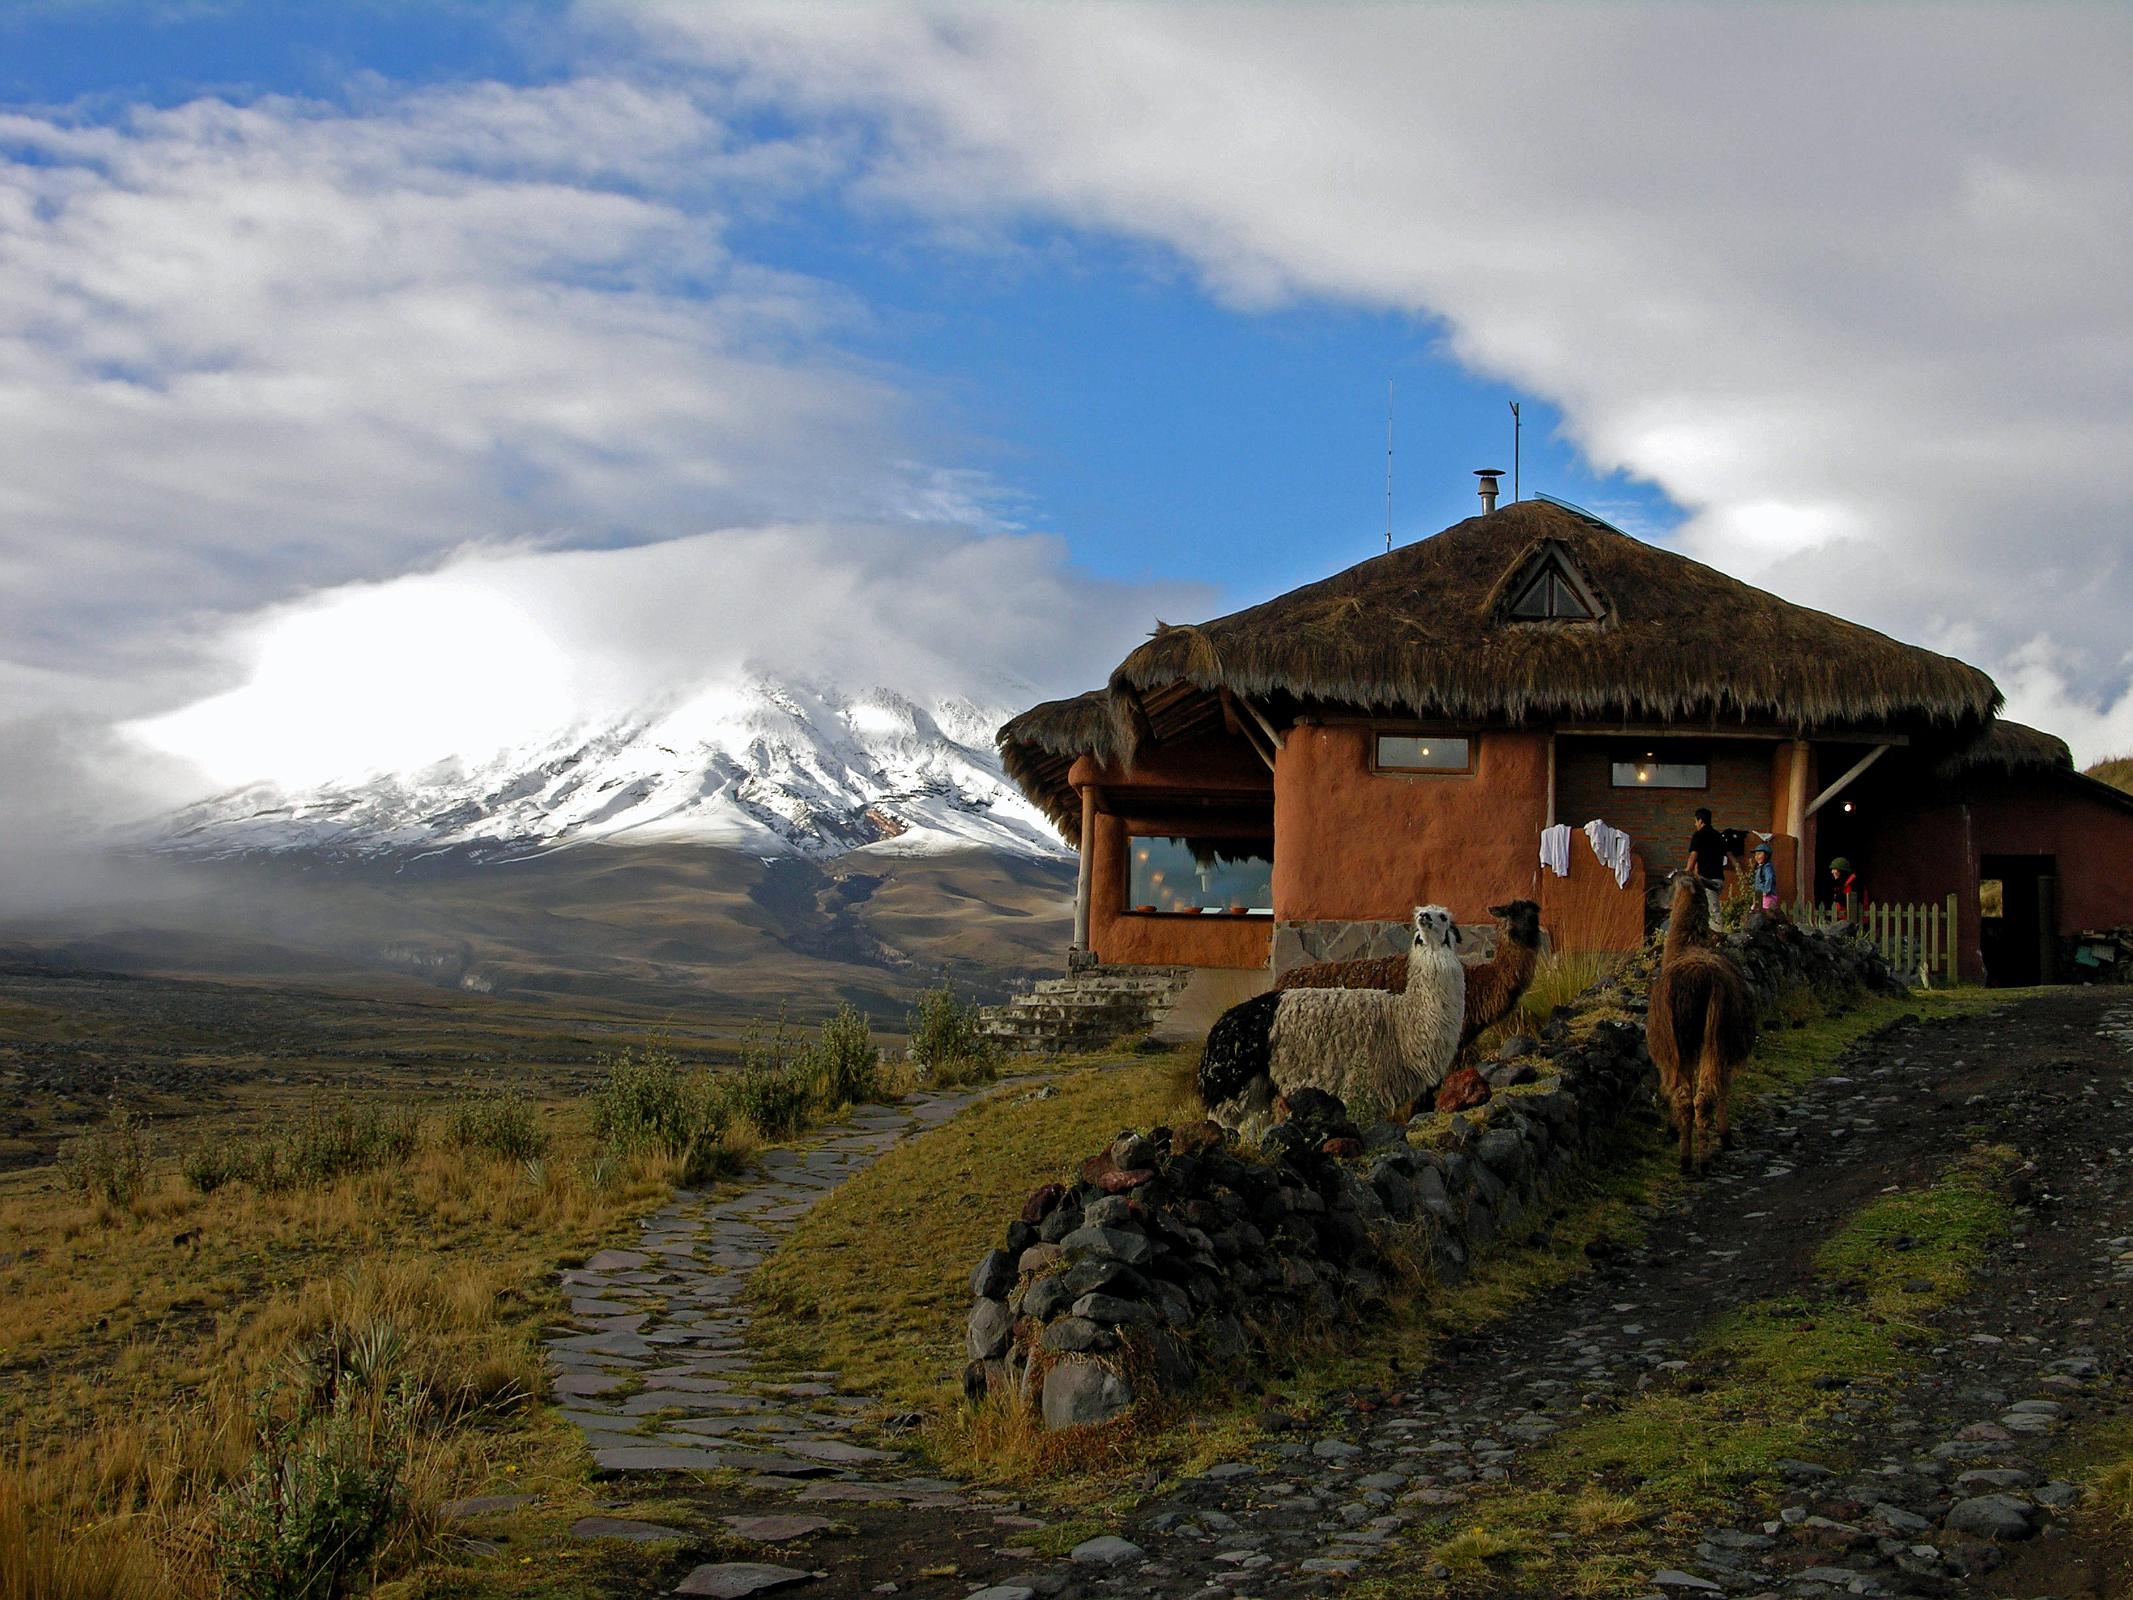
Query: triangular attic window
x=1554, y=592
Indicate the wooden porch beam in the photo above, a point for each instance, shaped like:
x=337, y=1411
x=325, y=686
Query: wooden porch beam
x=1851, y=772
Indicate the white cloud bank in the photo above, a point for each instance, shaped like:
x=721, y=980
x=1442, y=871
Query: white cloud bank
x=499, y=647
x=365, y=426
x=1847, y=282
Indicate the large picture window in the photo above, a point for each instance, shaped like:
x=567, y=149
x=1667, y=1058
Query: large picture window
x=1172, y=875
x=1423, y=752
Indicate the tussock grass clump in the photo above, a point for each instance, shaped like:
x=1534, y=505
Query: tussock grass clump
x=947, y=1043
x=322, y=1494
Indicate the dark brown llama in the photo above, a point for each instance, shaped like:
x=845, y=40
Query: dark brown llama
x=1493, y=986
x=1701, y=1025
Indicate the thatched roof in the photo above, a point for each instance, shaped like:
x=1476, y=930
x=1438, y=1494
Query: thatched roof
x=2009, y=747
x=1426, y=631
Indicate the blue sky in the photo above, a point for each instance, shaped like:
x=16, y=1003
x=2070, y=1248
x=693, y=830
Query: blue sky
x=1113, y=401
x=1028, y=325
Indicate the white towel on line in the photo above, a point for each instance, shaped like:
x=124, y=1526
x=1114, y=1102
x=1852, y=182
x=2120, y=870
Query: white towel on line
x=1611, y=845
x=1555, y=849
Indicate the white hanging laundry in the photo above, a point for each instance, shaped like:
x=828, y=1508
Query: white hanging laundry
x=1611, y=845
x=1555, y=849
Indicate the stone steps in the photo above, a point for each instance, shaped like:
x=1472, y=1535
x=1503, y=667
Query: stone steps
x=1084, y=1010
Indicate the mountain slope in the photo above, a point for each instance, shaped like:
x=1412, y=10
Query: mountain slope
x=770, y=767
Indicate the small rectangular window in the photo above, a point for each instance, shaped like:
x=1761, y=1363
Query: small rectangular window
x=1656, y=774
x=1423, y=752
x=1175, y=876
x=1991, y=897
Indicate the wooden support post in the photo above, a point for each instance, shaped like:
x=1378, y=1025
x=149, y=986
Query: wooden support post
x=1803, y=866
x=1081, y=882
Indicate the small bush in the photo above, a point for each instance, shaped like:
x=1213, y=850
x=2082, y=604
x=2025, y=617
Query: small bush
x=646, y=1105
x=326, y=1145
x=110, y=1161
x=847, y=1064
x=322, y=1493
x=775, y=1100
x=208, y=1167
x=947, y=1042
x=502, y=1124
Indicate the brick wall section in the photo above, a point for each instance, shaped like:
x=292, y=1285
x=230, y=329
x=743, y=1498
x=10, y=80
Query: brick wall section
x=1659, y=821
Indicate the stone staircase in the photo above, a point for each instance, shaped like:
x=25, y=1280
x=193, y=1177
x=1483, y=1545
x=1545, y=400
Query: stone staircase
x=1085, y=1010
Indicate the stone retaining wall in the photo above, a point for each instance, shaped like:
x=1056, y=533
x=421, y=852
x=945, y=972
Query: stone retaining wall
x=1178, y=1249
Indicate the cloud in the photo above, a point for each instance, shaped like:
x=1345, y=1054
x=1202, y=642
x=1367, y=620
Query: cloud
x=1847, y=283
x=247, y=350
x=503, y=646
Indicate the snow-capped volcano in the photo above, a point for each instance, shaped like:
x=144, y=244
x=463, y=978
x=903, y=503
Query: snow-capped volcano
x=769, y=766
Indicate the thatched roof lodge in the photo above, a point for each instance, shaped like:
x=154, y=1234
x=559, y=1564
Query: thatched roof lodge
x=1282, y=783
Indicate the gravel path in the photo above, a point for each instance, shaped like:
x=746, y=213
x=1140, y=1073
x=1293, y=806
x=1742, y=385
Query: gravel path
x=2036, y=1347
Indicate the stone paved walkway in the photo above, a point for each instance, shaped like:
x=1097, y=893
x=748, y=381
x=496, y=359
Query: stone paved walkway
x=654, y=1365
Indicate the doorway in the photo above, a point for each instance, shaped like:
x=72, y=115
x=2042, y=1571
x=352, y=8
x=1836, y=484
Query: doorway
x=2018, y=919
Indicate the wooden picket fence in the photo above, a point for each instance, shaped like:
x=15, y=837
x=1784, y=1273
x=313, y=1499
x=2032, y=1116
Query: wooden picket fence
x=1918, y=939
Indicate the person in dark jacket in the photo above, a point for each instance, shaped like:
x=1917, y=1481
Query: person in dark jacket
x=1707, y=858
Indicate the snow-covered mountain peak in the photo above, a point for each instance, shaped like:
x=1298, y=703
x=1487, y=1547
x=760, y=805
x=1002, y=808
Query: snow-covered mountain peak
x=770, y=765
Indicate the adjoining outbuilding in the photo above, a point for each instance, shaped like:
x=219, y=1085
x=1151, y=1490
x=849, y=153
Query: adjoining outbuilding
x=1440, y=724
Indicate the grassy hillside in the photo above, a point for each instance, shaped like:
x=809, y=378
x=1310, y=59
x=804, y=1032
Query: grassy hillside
x=2117, y=771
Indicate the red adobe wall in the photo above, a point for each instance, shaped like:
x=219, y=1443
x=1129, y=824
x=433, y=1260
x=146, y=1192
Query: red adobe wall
x=2092, y=839
x=1922, y=854
x=1355, y=845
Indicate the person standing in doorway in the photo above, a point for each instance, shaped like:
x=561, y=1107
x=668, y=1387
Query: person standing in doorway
x=1844, y=891
x=1707, y=859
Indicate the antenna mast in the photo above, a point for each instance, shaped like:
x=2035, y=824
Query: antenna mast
x=1517, y=423
x=1388, y=466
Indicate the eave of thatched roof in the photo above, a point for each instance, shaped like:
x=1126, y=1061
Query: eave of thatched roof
x=2008, y=747
x=1423, y=631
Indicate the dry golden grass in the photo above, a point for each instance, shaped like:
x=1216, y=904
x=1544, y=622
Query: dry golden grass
x=137, y=1339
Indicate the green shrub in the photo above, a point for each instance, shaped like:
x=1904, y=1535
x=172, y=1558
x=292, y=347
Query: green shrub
x=207, y=1167
x=110, y=1161
x=644, y=1105
x=847, y=1064
x=647, y=1105
x=947, y=1042
x=326, y=1145
x=775, y=1100
x=502, y=1123
x=321, y=1494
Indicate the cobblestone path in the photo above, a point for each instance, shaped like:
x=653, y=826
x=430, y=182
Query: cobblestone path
x=654, y=1367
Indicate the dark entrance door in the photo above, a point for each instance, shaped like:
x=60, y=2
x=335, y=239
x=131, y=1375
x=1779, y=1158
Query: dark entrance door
x=2018, y=926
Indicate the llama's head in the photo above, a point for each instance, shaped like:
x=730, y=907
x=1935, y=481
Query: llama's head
x=1434, y=927
x=1521, y=921
x=1686, y=885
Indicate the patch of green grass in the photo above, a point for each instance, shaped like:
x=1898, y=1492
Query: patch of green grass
x=874, y=1284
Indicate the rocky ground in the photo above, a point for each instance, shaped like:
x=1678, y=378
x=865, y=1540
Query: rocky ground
x=1945, y=1481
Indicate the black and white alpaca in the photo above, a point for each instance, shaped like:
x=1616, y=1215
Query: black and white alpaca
x=1379, y=1052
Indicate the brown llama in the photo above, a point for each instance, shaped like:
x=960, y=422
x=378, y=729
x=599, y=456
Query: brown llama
x=1493, y=986
x=1701, y=1025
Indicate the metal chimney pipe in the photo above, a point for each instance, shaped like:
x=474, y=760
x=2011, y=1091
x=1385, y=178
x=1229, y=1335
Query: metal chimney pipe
x=1488, y=477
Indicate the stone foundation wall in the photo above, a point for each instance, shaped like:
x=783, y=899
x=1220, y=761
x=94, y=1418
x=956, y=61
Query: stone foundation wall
x=1178, y=1250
